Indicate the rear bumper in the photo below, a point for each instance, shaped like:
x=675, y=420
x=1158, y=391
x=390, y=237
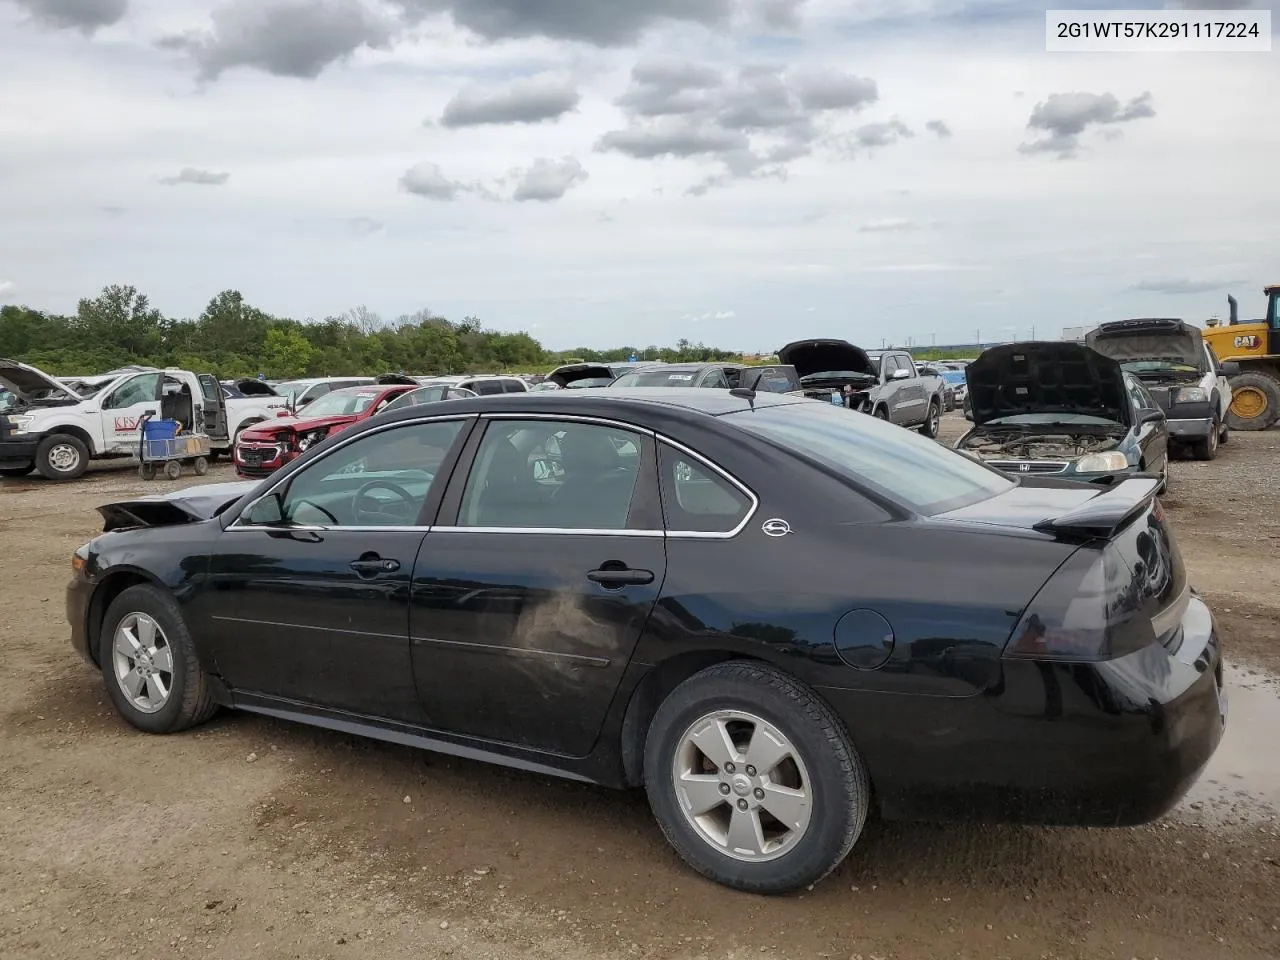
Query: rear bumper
x=1190, y=429
x=1106, y=744
x=18, y=452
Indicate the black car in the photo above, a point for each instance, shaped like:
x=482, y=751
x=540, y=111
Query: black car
x=770, y=614
x=1054, y=407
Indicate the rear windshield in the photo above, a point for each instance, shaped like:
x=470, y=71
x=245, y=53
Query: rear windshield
x=656, y=378
x=900, y=465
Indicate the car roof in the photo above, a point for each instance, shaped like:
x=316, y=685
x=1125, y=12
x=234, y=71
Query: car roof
x=687, y=365
x=682, y=403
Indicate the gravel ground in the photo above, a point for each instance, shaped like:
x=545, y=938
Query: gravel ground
x=250, y=837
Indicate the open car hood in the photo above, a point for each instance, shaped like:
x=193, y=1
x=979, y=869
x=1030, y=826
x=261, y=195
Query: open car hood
x=252, y=387
x=1150, y=339
x=25, y=380
x=573, y=372
x=192, y=505
x=299, y=424
x=818, y=356
x=1045, y=377
x=396, y=379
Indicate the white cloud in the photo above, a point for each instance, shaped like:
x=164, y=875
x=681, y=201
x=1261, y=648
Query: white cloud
x=7, y=288
x=330, y=169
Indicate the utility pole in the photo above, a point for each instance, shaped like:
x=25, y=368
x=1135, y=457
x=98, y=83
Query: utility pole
x=978, y=336
x=935, y=339
x=1033, y=331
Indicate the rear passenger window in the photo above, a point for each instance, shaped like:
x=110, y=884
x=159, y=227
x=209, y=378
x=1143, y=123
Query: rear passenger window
x=512, y=386
x=487, y=388
x=697, y=499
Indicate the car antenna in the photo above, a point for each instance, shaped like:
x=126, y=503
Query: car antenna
x=746, y=393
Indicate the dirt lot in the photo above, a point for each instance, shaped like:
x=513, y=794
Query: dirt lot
x=253, y=838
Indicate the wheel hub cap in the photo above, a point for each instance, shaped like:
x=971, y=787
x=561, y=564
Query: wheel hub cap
x=64, y=457
x=142, y=662
x=1248, y=402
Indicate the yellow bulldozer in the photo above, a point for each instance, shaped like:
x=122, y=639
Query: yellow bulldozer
x=1255, y=346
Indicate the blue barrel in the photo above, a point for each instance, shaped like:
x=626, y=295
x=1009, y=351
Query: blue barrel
x=160, y=429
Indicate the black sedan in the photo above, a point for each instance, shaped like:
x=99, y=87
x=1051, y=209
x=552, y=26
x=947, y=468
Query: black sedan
x=773, y=616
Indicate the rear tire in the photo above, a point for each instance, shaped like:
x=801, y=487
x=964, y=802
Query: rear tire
x=745, y=713
x=932, y=421
x=880, y=413
x=200, y=466
x=1255, y=401
x=62, y=457
x=155, y=690
x=173, y=469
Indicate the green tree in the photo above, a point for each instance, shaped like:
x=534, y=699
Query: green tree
x=286, y=352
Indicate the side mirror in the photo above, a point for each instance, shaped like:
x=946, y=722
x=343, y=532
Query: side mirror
x=265, y=511
x=1229, y=368
x=900, y=374
x=1151, y=416
x=148, y=413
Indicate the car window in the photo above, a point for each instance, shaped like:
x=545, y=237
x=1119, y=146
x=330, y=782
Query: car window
x=138, y=390
x=314, y=391
x=513, y=386
x=899, y=465
x=715, y=378
x=696, y=499
x=552, y=474
x=487, y=388
x=381, y=479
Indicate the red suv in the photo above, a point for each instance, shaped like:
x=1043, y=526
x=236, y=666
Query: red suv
x=266, y=447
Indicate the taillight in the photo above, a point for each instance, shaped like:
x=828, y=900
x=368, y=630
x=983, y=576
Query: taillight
x=1091, y=609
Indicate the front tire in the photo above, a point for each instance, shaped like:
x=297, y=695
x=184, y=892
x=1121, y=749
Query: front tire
x=149, y=663
x=1255, y=401
x=1207, y=449
x=753, y=780
x=62, y=457
x=932, y=421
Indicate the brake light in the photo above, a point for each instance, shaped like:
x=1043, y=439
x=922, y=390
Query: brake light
x=1090, y=609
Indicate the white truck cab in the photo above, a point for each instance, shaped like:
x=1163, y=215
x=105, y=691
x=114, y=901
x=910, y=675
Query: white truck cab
x=57, y=430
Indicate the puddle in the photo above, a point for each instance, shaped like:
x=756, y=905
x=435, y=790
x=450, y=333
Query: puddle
x=1242, y=781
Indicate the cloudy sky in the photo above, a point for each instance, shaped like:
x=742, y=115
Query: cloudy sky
x=741, y=172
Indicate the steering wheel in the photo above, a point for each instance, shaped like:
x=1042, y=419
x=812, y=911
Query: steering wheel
x=401, y=511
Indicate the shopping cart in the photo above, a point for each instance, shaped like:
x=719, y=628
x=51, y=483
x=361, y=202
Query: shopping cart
x=162, y=446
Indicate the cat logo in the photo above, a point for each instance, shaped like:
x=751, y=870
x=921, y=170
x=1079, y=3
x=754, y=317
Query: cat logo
x=1248, y=343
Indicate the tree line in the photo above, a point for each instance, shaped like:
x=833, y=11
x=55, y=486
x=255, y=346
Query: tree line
x=233, y=338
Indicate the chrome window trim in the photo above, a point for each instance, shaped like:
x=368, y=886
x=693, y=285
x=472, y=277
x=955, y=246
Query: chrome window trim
x=341, y=444
x=746, y=491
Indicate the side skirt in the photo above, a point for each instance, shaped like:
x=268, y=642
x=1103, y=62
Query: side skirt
x=486, y=751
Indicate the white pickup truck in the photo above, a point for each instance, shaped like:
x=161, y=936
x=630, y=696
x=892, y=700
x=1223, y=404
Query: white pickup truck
x=47, y=426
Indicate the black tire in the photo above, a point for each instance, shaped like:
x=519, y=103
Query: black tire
x=840, y=791
x=147, y=471
x=1265, y=389
x=931, y=421
x=1207, y=449
x=201, y=466
x=15, y=472
x=62, y=457
x=190, y=700
x=172, y=469
x=1226, y=433
x=881, y=413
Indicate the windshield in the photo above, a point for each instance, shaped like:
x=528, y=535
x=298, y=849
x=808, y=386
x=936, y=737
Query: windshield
x=953, y=376
x=589, y=382
x=1040, y=419
x=656, y=378
x=900, y=465
x=291, y=389
x=342, y=403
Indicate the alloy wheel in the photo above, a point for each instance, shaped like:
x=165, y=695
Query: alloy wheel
x=142, y=662
x=742, y=786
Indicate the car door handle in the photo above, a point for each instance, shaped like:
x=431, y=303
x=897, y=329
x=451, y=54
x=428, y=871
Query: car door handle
x=620, y=576
x=372, y=566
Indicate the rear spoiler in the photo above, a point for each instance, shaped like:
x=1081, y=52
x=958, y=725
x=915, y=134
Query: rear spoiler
x=1107, y=513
